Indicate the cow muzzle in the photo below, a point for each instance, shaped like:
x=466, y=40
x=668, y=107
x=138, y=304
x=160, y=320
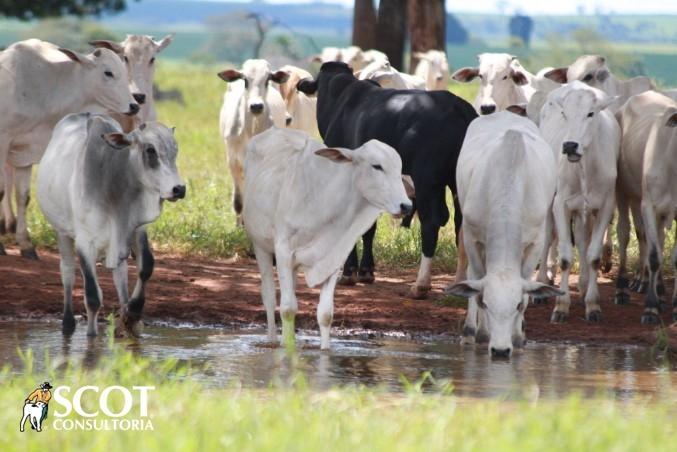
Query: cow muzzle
x=487, y=109
x=178, y=192
x=570, y=149
x=139, y=97
x=133, y=109
x=501, y=353
x=256, y=109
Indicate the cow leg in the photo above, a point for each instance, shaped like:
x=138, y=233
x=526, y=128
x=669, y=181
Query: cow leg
x=4, y=149
x=8, y=221
x=268, y=295
x=22, y=425
x=462, y=259
x=366, y=272
x=325, y=310
x=93, y=294
x=608, y=249
x=23, y=187
x=652, y=304
x=542, y=275
x=475, y=271
x=593, y=311
x=286, y=274
x=67, y=268
x=145, y=263
x=582, y=232
x=623, y=231
x=349, y=276
x=429, y=233
x=674, y=290
x=562, y=218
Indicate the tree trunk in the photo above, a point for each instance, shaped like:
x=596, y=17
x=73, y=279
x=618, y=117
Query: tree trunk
x=391, y=30
x=364, y=24
x=427, y=22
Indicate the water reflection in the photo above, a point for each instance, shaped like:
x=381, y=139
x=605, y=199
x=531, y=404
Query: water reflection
x=539, y=371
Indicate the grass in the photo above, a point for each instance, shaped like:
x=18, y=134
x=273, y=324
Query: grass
x=188, y=416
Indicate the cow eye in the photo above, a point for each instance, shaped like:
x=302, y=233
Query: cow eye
x=587, y=78
x=108, y=74
x=150, y=150
x=126, y=59
x=505, y=77
x=377, y=167
x=591, y=114
x=152, y=60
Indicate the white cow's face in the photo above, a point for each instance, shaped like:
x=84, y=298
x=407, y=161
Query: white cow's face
x=378, y=175
x=503, y=298
x=437, y=75
x=106, y=80
x=569, y=118
x=500, y=76
x=154, y=151
x=255, y=74
x=329, y=54
x=353, y=57
x=589, y=69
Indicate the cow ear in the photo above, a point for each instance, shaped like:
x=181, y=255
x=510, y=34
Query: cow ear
x=75, y=56
x=409, y=188
x=316, y=59
x=672, y=120
x=535, y=106
x=520, y=110
x=307, y=86
x=466, y=74
x=540, y=290
x=602, y=75
x=558, y=75
x=279, y=76
x=230, y=75
x=164, y=42
x=111, y=45
x=466, y=289
x=519, y=78
x=117, y=140
x=335, y=155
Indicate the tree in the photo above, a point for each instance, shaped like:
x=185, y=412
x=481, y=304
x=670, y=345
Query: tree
x=36, y=9
x=364, y=24
x=426, y=27
x=391, y=30
x=521, y=27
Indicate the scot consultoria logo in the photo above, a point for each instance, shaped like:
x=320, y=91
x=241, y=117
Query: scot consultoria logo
x=36, y=406
x=130, y=413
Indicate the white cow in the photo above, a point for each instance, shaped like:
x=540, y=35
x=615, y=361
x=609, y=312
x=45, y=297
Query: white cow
x=389, y=77
x=138, y=53
x=32, y=413
x=372, y=56
x=97, y=187
x=506, y=177
x=250, y=106
x=298, y=211
x=576, y=121
x=646, y=185
x=503, y=82
x=301, y=108
x=592, y=70
x=434, y=69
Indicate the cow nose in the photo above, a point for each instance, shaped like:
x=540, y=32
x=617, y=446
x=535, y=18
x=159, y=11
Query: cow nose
x=179, y=191
x=440, y=78
x=256, y=108
x=569, y=147
x=133, y=109
x=500, y=352
x=487, y=109
x=406, y=209
x=139, y=97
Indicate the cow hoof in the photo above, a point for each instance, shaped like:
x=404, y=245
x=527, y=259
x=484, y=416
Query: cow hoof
x=594, y=316
x=30, y=254
x=130, y=321
x=622, y=298
x=482, y=337
x=68, y=326
x=468, y=336
x=2, y=250
x=419, y=292
x=650, y=317
x=559, y=317
x=366, y=276
x=347, y=280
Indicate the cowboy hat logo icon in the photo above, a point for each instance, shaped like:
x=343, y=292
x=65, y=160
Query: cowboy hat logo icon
x=35, y=407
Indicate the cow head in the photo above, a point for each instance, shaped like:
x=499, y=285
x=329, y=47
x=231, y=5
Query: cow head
x=435, y=69
x=138, y=53
x=153, y=149
x=255, y=75
x=328, y=54
x=570, y=115
x=503, y=298
x=378, y=175
x=500, y=76
x=589, y=69
x=106, y=80
x=353, y=57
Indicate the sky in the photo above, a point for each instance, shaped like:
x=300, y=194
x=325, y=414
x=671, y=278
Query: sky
x=541, y=6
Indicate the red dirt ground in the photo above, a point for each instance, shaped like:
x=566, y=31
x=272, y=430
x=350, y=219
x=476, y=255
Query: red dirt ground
x=226, y=292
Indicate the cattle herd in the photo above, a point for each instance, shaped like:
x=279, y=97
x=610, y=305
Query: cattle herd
x=540, y=164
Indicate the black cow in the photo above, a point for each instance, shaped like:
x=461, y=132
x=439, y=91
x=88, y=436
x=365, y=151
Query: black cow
x=426, y=128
